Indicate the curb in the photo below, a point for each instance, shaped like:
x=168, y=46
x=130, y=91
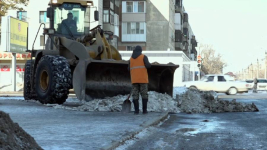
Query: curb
x=128, y=137
x=21, y=95
x=11, y=95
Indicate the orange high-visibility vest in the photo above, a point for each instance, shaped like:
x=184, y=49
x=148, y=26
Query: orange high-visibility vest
x=138, y=70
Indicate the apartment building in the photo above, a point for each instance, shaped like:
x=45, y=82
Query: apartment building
x=147, y=23
x=156, y=25
x=185, y=39
x=111, y=11
x=153, y=24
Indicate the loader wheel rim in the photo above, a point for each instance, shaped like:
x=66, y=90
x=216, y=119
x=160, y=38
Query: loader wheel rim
x=44, y=80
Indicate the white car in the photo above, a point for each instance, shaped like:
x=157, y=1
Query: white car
x=261, y=86
x=218, y=83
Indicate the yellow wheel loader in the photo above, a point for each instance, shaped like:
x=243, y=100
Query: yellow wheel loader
x=79, y=58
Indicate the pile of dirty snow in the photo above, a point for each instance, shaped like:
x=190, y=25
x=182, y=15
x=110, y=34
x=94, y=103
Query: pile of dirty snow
x=13, y=137
x=157, y=102
x=178, y=91
x=195, y=101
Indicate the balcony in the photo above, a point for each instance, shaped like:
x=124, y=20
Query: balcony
x=185, y=19
x=178, y=9
x=186, y=25
x=179, y=46
x=193, y=42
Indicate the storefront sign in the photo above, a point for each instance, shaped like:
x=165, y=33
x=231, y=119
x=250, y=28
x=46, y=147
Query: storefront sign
x=8, y=56
x=15, y=33
x=5, y=68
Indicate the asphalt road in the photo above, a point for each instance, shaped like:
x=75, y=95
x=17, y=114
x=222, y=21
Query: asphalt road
x=222, y=131
x=62, y=129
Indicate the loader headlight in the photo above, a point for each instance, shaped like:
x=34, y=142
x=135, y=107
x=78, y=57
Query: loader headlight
x=54, y=1
x=49, y=31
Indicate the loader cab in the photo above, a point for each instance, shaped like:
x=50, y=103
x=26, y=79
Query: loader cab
x=69, y=18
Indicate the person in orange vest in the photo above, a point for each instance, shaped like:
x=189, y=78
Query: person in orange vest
x=139, y=77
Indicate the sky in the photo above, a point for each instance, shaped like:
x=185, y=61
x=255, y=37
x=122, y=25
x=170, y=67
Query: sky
x=236, y=29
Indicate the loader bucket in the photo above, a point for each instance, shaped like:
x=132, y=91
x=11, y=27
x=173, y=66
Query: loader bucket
x=105, y=78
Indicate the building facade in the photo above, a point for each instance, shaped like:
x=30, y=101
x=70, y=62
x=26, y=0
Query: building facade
x=185, y=39
x=152, y=24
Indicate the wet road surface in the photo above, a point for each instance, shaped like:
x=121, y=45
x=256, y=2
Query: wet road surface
x=222, y=131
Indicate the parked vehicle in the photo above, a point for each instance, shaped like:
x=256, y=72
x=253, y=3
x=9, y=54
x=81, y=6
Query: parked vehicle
x=261, y=86
x=250, y=84
x=219, y=83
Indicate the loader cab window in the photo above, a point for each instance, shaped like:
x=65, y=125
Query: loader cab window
x=71, y=19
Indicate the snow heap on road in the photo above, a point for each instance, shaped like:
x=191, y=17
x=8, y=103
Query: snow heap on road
x=195, y=101
x=157, y=102
x=188, y=101
x=12, y=136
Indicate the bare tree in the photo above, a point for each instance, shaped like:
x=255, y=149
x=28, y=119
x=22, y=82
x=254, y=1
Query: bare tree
x=211, y=63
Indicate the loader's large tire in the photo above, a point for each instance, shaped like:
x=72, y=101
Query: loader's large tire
x=27, y=93
x=53, y=79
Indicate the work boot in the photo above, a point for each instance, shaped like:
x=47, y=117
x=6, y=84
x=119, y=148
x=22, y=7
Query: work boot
x=144, y=102
x=136, y=106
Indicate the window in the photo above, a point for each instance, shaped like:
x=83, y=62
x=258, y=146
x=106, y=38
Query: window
x=42, y=17
x=133, y=7
x=130, y=48
x=133, y=28
x=106, y=16
x=210, y=78
x=128, y=28
x=111, y=17
x=76, y=16
x=221, y=79
x=129, y=6
x=141, y=6
x=178, y=2
x=22, y=15
x=42, y=43
x=137, y=27
x=142, y=28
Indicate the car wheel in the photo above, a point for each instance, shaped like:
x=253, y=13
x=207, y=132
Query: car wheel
x=232, y=91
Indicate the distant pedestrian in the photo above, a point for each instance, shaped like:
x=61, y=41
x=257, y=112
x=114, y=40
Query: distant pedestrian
x=139, y=77
x=255, y=85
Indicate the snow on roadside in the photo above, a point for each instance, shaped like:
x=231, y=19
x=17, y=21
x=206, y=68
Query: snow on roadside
x=157, y=102
x=178, y=91
x=183, y=100
x=195, y=101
